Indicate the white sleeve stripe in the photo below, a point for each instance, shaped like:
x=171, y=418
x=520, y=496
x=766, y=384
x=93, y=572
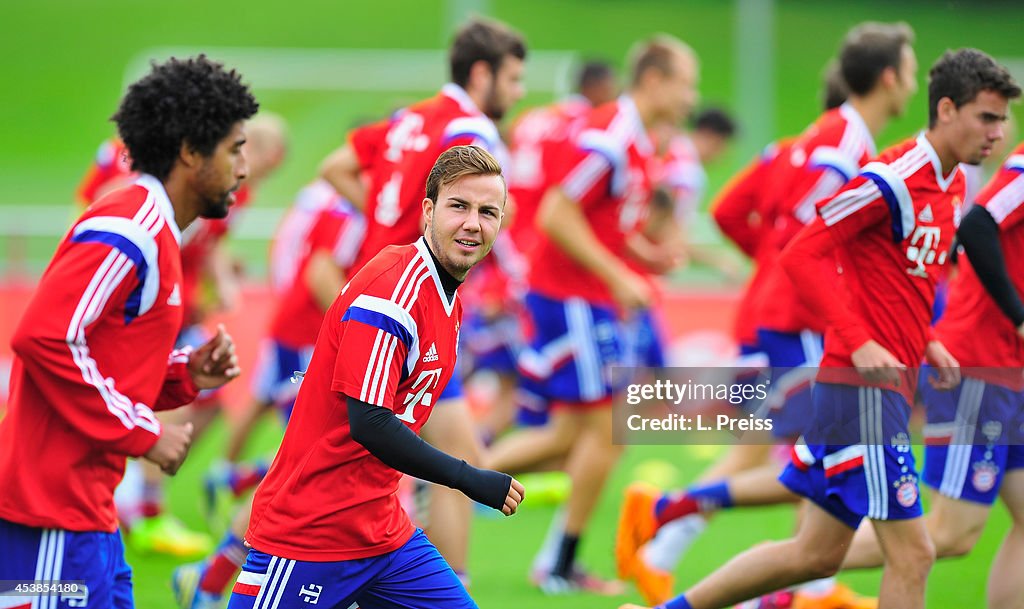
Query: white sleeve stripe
x=416, y=293
x=349, y=240
x=386, y=368
x=107, y=277
x=139, y=237
x=422, y=270
x=843, y=199
x=838, y=160
x=1007, y=200
x=1015, y=161
x=380, y=371
x=409, y=269
x=851, y=203
x=477, y=126
x=364, y=391
x=827, y=185
x=899, y=189
x=585, y=175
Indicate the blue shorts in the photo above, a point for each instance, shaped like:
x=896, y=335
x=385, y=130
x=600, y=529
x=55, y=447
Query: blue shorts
x=411, y=577
x=857, y=462
x=648, y=344
x=967, y=448
x=196, y=336
x=490, y=344
x=793, y=359
x=95, y=558
x=575, y=347
x=273, y=382
x=751, y=367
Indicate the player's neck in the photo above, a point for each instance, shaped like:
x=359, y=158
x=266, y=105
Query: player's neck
x=943, y=150
x=874, y=110
x=183, y=200
x=644, y=107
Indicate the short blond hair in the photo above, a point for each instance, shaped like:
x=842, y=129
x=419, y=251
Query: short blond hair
x=656, y=53
x=461, y=161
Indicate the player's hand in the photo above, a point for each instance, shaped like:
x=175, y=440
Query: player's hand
x=171, y=447
x=945, y=365
x=515, y=496
x=631, y=292
x=215, y=363
x=875, y=364
x=1020, y=330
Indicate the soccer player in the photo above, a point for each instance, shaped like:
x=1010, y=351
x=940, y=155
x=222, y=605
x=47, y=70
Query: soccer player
x=891, y=230
x=327, y=527
x=649, y=548
x=581, y=287
x=328, y=250
x=93, y=352
x=204, y=255
x=486, y=63
x=973, y=452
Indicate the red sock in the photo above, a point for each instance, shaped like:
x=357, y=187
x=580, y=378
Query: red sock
x=671, y=507
x=223, y=566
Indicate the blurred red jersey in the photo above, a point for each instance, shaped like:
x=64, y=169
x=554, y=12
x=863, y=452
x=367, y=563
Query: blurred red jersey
x=606, y=170
x=337, y=230
x=973, y=327
x=398, y=154
x=825, y=157
x=389, y=340
x=536, y=137
x=93, y=360
x=894, y=226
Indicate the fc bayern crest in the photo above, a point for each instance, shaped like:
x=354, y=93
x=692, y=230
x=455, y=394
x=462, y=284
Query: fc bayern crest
x=985, y=474
x=906, y=494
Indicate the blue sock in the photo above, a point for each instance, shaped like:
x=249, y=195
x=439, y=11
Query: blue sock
x=678, y=602
x=715, y=494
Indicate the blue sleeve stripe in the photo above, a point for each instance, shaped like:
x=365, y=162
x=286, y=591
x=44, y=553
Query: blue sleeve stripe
x=127, y=247
x=895, y=212
x=380, y=321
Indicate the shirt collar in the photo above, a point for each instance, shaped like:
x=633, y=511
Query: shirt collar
x=163, y=202
x=943, y=181
x=459, y=94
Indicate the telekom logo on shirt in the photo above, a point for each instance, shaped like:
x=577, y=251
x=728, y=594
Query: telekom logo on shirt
x=922, y=249
x=420, y=393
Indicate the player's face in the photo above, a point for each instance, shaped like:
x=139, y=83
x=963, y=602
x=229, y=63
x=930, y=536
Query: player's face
x=463, y=223
x=221, y=174
x=678, y=89
x=977, y=126
x=906, y=86
x=506, y=88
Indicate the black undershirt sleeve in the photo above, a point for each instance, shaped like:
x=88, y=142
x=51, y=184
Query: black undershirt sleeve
x=979, y=234
x=397, y=446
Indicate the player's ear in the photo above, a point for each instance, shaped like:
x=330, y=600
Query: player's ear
x=946, y=110
x=480, y=75
x=189, y=156
x=428, y=209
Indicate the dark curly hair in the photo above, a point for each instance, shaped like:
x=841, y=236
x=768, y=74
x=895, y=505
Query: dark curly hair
x=960, y=75
x=191, y=101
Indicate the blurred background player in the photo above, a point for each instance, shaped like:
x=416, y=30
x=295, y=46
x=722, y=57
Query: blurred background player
x=582, y=289
x=328, y=510
x=740, y=210
x=493, y=331
x=328, y=250
x=209, y=282
x=891, y=230
x=113, y=286
x=878, y=65
x=486, y=64
x=973, y=452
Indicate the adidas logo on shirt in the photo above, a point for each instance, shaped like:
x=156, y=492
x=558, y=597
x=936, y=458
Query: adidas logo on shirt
x=431, y=355
x=174, y=300
x=926, y=214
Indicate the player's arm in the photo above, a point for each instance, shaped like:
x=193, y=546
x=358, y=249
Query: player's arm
x=809, y=261
x=323, y=277
x=342, y=170
x=979, y=234
x=735, y=209
x=388, y=439
x=833, y=168
x=87, y=282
